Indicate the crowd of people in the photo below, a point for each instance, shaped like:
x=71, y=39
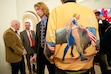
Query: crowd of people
x=65, y=48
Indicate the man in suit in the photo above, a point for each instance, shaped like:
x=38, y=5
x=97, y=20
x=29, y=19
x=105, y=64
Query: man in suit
x=101, y=56
x=28, y=39
x=14, y=48
x=43, y=12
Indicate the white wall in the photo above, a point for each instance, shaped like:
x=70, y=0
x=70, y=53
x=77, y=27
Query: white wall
x=9, y=10
x=14, y=9
x=96, y=4
x=7, y=13
x=26, y=5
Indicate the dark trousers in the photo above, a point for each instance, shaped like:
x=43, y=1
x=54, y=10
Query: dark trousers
x=28, y=62
x=109, y=59
x=102, y=60
x=59, y=71
x=107, y=72
x=18, y=66
x=42, y=61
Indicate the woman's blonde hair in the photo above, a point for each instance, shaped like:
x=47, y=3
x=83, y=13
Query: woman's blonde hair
x=43, y=6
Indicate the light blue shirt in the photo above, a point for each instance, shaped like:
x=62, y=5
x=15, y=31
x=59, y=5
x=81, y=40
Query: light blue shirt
x=44, y=21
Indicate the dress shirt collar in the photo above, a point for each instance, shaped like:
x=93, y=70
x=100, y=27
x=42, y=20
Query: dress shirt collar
x=13, y=29
x=44, y=20
x=28, y=30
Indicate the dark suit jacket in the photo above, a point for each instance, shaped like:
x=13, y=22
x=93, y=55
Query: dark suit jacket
x=37, y=38
x=104, y=37
x=105, y=43
x=13, y=46
x=102, y=27
x=26, y=41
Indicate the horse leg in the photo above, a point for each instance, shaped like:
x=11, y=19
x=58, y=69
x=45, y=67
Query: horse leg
x=81, y=55
x=72, y=51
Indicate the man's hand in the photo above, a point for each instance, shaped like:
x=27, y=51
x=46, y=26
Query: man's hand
x=24, y=52
x=52, y=49
x=33, y=59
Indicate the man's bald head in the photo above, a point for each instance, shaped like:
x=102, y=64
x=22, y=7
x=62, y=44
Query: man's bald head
x=15, y=24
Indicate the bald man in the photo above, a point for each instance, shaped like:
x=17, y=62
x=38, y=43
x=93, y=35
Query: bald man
x=14, y=48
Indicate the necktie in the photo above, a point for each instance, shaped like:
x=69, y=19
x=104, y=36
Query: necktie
x=18, y=36
x=42, y=34
x=15, y=31
x=31, y=39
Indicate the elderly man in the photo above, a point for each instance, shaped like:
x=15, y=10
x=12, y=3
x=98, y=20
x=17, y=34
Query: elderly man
x=14, y=48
